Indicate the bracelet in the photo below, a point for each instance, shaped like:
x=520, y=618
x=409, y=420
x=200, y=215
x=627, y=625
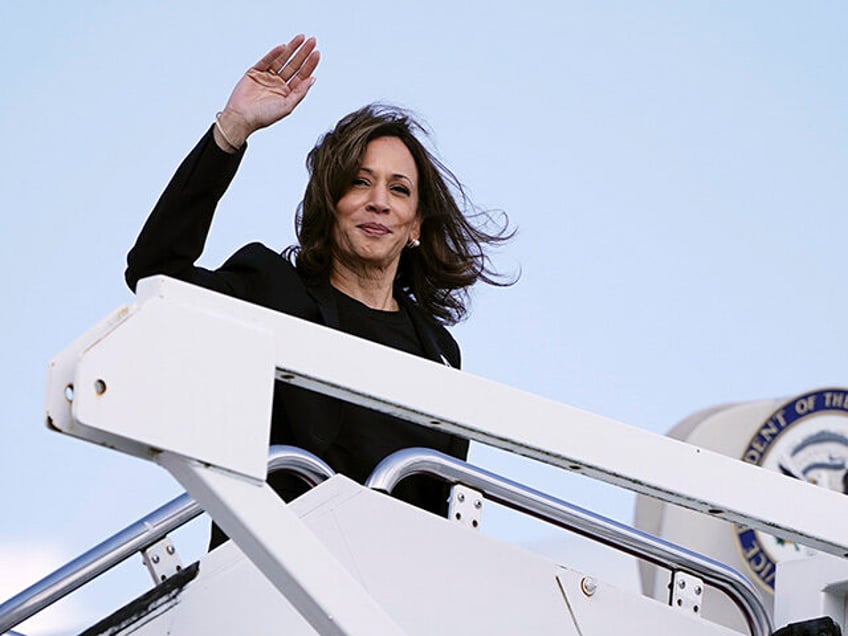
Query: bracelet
x=221, y=130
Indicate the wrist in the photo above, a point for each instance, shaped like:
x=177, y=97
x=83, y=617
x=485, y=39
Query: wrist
x=231, y=130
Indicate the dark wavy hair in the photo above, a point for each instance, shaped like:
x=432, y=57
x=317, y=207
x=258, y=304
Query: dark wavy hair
x=451, y=255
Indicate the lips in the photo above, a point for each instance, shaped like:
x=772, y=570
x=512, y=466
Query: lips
x=374, y=229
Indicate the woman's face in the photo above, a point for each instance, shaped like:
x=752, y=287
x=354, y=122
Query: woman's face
x=378, y=215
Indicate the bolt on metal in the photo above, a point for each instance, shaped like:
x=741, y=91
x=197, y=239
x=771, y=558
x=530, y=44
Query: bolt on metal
x=588, y=585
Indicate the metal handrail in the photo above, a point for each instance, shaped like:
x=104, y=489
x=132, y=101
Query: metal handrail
x=137, y=536
x=412, y=461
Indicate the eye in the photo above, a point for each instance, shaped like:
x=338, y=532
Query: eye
x=401, y=189
x=359, y=181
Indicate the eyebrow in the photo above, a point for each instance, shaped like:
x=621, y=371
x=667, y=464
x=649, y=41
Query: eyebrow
x=396, y=175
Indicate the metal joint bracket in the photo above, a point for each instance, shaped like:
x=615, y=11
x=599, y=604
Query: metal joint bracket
x=162, y=560
x=687, y=593
x=465, y=506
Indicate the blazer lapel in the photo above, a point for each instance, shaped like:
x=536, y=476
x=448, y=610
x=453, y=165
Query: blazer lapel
x=322, y=294
x=424, y=330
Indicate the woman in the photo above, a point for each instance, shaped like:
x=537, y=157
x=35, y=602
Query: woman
x=384, y=253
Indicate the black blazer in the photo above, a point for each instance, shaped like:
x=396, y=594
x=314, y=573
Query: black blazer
x=173, y=238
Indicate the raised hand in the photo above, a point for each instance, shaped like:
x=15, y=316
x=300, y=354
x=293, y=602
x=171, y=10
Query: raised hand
x=270, y=90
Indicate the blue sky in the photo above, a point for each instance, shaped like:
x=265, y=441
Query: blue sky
x=676, y=172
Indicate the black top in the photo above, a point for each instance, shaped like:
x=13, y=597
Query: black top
x=365, y=436
x=391, y=328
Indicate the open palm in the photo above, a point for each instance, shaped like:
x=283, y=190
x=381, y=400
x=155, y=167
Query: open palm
x=275, y=85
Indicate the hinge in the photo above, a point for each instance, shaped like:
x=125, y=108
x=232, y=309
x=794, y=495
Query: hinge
x=687, y=592
x=466, y=506
x=161, y=559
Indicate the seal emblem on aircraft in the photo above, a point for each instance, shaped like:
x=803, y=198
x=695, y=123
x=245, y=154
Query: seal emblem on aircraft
x=805, y=438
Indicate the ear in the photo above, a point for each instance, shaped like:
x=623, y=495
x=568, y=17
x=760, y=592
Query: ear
x=415, y=231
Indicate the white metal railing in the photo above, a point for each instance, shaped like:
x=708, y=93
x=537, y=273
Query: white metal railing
x=393, y=469
x=136, y=537
x=737, y=587
x=212, y=358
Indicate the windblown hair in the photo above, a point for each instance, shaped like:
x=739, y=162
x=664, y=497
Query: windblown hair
x=451, y=256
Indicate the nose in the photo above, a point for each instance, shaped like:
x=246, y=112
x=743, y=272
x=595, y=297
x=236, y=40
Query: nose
x=378, y=200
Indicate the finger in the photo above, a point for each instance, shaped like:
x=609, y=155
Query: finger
x=306, y=69
x=291, y=66
x=299, y=88
x=294, y=64
x=286, y=52
x=279, y=52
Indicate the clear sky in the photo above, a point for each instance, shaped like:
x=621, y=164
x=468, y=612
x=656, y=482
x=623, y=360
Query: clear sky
x=676, y=171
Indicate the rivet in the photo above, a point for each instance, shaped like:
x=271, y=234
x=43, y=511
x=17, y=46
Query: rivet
x=588, y=585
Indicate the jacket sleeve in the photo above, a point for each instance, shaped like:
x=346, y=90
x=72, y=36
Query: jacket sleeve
x=173, y=237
